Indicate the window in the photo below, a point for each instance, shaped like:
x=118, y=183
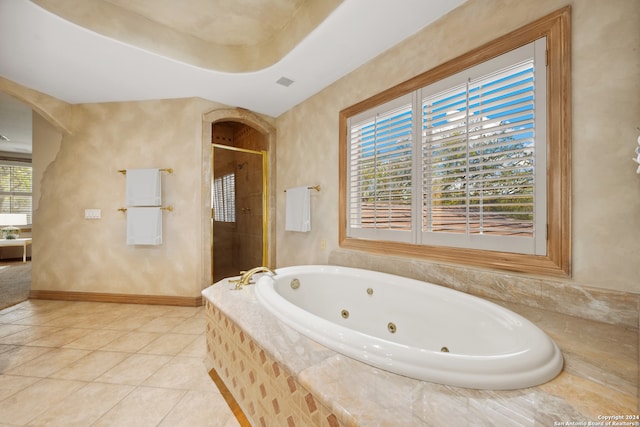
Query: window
x=467, y=162
x=15, y=188
x=224, y=198
x=381, y=183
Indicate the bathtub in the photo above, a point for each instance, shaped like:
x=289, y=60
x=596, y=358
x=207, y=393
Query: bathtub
x=412, y=328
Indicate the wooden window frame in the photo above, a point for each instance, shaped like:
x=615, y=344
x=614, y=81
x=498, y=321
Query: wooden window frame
x=556, y=27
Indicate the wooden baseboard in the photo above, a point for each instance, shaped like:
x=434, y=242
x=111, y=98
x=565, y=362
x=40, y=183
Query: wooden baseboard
x=117, y=298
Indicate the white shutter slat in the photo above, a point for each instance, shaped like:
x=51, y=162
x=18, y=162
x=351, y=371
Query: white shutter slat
x=478, y=170
x=380, y=178
x=16, y=188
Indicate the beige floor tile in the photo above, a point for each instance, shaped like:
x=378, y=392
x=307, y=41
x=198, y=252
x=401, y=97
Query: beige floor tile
x=84, y=406
x=35, y=399
x=198, y=408
x=101, y=321
x=68, y=320
x=7, y=347
x=41, y=306
x=120, y=309
x=129, y=323
x=91, y=366
x=9, y=309
x=48, y=363
x=186, y=373
x=60, y=338
x=134, y=370
x=95, y=339
x=162, y=324
x=232, y=422
x=28, y=335
x=10, y=384
x=40, y=318
x=80, y=364
x=197, y=348
x=193, y=325
x=14, y=316
x=130, y=341
x=169, y=344
x=19, y=355
x=184, y=311
x=92, y=308
x=86, y=320
x=153, y=310
x=9, y=329
x=142, y=407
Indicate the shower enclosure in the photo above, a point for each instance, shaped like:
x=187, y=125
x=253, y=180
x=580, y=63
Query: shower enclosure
x=238, y=211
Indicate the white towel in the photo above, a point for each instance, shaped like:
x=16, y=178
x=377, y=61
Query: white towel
x=144, y=226
x=144, y=187
x=298, y=209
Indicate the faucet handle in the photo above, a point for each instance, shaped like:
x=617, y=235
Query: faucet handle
x=237, y=283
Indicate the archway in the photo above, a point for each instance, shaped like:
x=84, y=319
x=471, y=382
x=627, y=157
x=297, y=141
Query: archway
x=268, y=131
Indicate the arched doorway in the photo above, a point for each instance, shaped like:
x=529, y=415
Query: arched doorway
x=26, y=117
x=240, y=208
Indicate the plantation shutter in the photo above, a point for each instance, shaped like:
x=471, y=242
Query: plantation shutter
x=481, y=162
x=223, y=196
x=16, y=189
x=477, y=177
x=380, y=182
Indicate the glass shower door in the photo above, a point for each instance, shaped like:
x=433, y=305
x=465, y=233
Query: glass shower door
x=238, y=210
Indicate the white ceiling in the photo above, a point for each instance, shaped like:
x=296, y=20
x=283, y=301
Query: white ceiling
x=15, y=124
x=42, y=51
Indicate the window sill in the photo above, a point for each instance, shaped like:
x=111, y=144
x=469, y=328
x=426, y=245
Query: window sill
x=517, y=263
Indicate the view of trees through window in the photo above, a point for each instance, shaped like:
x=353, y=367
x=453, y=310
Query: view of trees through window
x=470, y=161
x=477, y=171
x=479, y=142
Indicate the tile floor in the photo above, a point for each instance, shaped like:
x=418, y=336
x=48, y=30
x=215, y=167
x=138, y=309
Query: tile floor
x=101, y=364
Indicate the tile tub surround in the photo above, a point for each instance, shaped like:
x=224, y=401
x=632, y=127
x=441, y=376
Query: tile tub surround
x=267, y=392
x=600, y=376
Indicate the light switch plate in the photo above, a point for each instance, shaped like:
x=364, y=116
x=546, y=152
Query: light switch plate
x=93, y=213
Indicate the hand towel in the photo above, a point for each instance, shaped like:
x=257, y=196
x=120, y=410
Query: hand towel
x=144, y=187
x=298, y=209
x=144, y=226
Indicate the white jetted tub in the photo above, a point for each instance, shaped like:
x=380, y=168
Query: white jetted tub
x=412, y=328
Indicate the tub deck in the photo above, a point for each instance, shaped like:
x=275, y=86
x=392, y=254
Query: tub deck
x=600, y=376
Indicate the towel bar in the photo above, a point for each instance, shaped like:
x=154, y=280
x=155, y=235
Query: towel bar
x=168, y=170
x=164, y=208
x=311, y=187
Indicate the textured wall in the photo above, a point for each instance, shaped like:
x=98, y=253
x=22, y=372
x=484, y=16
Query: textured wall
x=606, y=108
x=45, y=147
x=75, y=254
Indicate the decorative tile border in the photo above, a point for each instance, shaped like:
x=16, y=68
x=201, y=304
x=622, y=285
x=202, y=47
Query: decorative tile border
x=268, y=394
